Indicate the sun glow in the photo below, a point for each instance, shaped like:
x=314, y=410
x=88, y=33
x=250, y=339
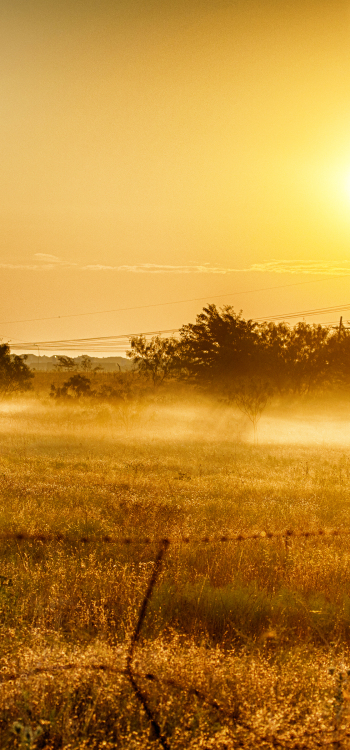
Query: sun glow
x=347, y=184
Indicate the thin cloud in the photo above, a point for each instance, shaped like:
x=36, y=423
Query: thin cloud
x=328, y=268
x=20, y=266
x=48, y=262
x=33, y=266
x=158, y=268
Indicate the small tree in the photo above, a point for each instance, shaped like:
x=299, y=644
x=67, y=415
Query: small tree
x=75, y=387
x=157, y=358
x=85, y=363
x=15, y=375
x=65, y=363
x=251, y=396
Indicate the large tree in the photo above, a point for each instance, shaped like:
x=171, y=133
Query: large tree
x=15, y=375
x=220, y=345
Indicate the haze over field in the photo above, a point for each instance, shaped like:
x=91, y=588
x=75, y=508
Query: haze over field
x=174, y=525
x=246, y=635
x=155, y=152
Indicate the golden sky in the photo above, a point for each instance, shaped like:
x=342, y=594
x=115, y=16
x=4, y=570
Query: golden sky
x=163, y=150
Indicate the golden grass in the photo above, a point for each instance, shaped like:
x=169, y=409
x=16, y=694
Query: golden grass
x=255, y=626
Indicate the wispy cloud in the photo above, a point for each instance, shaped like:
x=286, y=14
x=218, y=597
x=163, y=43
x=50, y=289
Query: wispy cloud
x=45, y=261
x=26, y=267
x=329, y=268
x=159, y=268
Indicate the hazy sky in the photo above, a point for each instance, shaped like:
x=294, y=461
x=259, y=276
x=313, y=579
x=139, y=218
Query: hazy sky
x=157, y=151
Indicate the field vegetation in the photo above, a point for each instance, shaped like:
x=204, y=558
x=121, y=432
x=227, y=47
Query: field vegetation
x=247, y=642
x=235, y=429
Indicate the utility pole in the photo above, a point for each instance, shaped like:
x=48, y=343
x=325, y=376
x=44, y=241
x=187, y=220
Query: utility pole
x=340, y=326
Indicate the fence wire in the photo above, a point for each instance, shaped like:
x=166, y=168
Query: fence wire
x=45, y=538
x=129, y=671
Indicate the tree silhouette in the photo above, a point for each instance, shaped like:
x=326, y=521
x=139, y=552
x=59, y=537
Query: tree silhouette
x=219, y=346
x=156, y=359
x=65, y=363
x=15, y=375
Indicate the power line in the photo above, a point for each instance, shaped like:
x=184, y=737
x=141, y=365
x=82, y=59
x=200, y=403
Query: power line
x=316, y=311
x=174, y=302
x=98, y=343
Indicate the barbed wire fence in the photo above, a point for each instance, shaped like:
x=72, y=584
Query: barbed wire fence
x=183, y=539
x=129, y=671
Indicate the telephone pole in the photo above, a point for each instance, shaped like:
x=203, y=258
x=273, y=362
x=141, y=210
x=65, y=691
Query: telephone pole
x=340, y=326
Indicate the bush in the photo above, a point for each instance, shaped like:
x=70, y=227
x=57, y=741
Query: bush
x=75, y=387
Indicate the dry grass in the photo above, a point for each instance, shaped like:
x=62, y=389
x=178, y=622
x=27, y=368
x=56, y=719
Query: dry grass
x=256, y=627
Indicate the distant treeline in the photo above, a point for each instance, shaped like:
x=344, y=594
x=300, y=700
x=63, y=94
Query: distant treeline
x=45, y=363
x=221, y=347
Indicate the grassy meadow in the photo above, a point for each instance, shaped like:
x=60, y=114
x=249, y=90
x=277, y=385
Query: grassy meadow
x=257, y=633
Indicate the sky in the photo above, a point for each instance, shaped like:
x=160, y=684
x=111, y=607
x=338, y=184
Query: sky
x=154, y=151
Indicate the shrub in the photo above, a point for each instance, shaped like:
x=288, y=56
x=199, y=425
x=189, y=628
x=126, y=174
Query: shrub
x=75, y=387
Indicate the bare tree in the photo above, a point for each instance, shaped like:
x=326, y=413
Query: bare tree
x=251, y=396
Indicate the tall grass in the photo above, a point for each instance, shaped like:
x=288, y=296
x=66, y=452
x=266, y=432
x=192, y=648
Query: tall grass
x=256, y=625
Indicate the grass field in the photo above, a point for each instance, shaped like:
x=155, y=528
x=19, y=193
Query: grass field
x=259, y=627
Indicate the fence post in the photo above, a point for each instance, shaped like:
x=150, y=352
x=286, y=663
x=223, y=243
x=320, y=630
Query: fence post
x=134, y=638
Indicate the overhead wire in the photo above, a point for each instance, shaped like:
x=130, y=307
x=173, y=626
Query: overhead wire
x=99, y=343
x=315, y=311
x=173, y=302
